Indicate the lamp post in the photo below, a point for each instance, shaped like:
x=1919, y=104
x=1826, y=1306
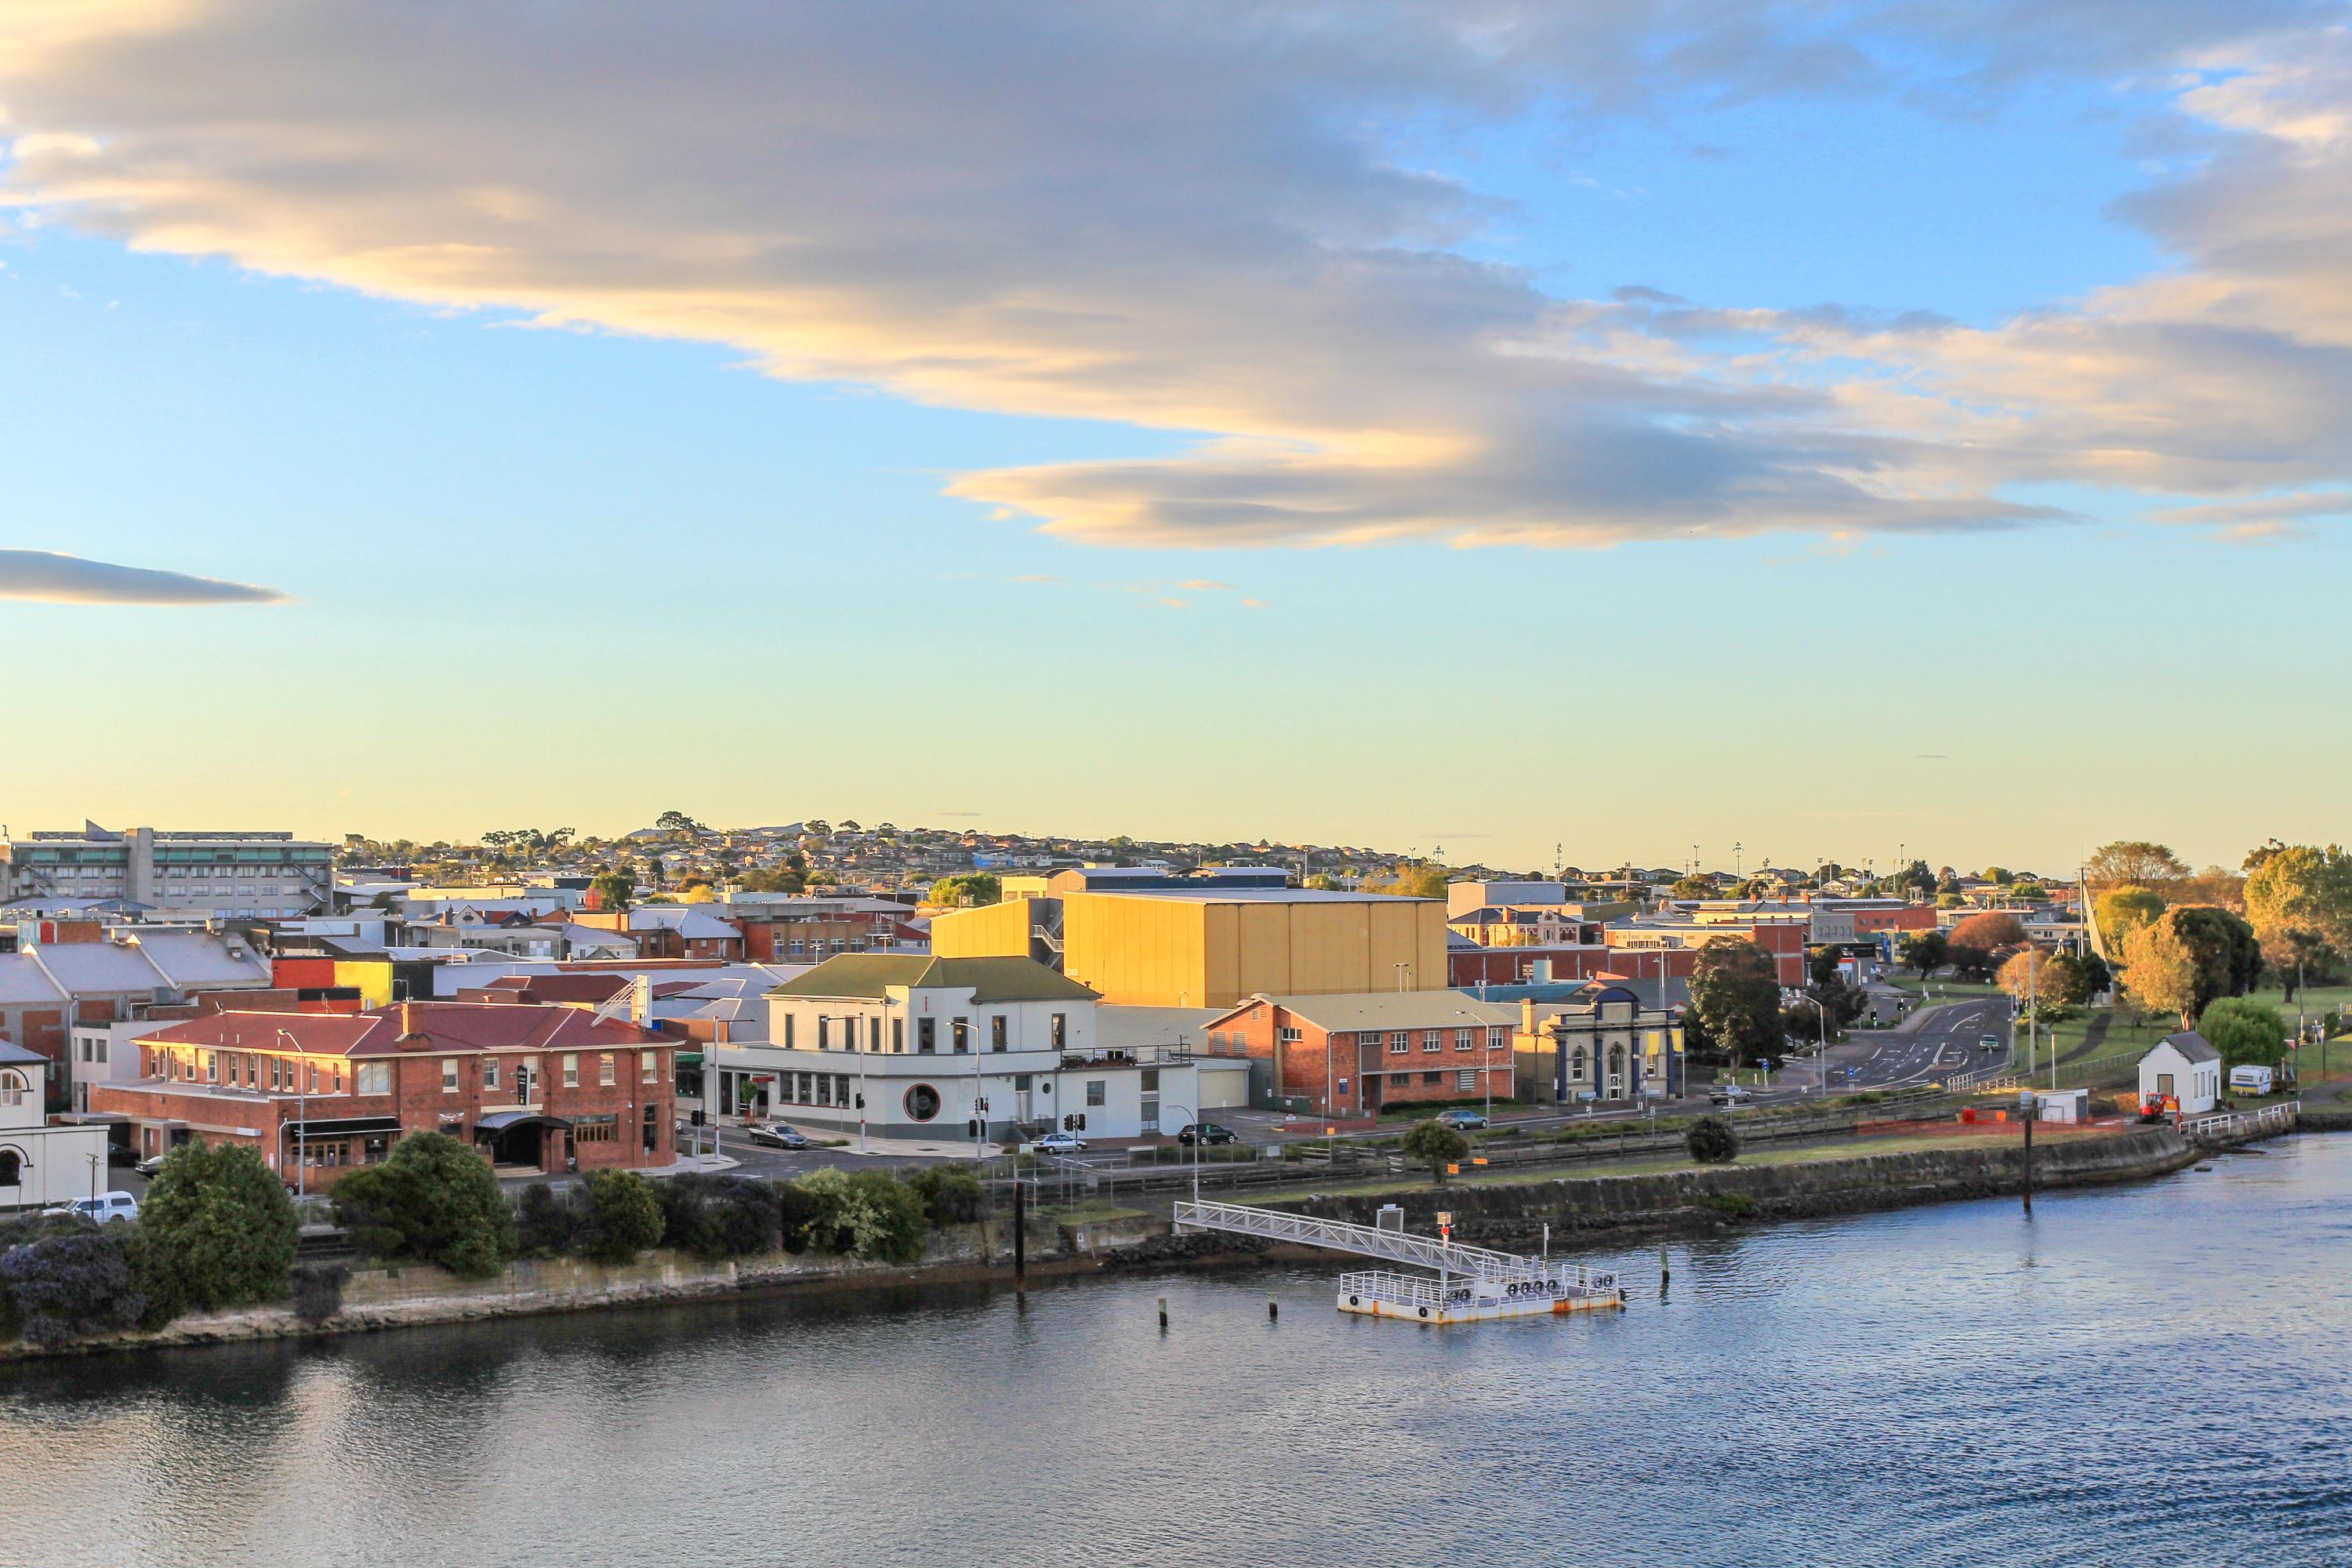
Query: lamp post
x=1194, y=1117
x=302, y=1127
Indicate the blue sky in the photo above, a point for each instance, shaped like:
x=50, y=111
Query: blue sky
x=686, y=541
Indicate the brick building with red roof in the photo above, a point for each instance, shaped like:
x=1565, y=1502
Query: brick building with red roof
x=532, y=1087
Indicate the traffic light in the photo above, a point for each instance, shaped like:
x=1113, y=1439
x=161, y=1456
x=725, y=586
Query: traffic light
x=861, y=1102
x=972, y=1127
x=1082, y=1122
x=697, y=1119
x=1069, y=1124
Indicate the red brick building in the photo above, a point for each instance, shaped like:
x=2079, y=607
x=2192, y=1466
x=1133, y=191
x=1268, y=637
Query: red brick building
x=1356, y=1052
x=539, y=1088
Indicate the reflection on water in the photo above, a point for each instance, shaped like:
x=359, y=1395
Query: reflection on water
x=2149, y=1375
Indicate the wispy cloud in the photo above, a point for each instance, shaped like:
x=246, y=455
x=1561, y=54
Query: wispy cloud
x=70, y=579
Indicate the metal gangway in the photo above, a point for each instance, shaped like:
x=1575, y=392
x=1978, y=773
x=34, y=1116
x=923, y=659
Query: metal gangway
x=1472, y=1281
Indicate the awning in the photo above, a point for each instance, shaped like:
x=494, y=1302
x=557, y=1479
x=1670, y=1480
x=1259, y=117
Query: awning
x=506, y=1121
x=344, y=1127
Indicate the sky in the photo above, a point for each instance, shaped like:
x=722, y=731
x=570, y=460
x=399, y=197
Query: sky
x=1596, y=428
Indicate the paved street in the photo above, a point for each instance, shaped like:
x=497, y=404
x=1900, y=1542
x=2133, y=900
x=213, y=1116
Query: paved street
x=1934, y=1044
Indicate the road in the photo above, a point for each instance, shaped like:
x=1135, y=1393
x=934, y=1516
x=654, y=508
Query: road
x=1936, y=1043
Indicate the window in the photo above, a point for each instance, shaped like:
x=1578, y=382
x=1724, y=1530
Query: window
x=1150, y=1081
x=874, y=1035
x=800, y=948
x=899, y=1036
x=11, y=1092
x=571, y=1069
x=962, y=1031
x=841, y=1090
x=374, y=1077
x=1462, y=1039
x=649, y=1066
x=996, y=1035
x=1498, y=1039
x=1096, y=1090
x=212, y=1067
x=449, y=1075
x=595, y=1129
x=1398, y=1043
x=823, y=1032
x=1343, y=1088
x=1432, y=1078
x=1216, y=1042
x=922, y=1103
x=490, y=1073
x=788, y=1031
x=1433, y=1039
x=1061, y=1035
x=604, y=1069
x=1576, y=1063
x=926, y=1040
x=825, y=1089
x=1291, y=1038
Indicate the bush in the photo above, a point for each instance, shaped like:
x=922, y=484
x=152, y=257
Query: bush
x=435, y=1200
x=546, y=1224
x=951, y=1195
x=798, y=1213
x=317, y=1290
x=2244, y=1030
x=1712, y=1141
x=216, y=1228
x=620, y=1219
x=1436, y=1145
x=871, y=1214
x=739, y=1219
x=68, y=1285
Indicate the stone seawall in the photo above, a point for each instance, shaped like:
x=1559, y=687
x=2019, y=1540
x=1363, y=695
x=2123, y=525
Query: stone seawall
x=415, y=1295
x=1509, y=1213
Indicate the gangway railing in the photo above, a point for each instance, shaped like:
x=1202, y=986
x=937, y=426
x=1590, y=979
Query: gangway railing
x=1364, y=1240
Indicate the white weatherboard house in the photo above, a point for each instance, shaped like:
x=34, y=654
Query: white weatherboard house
x=920, y=1040
x=41, y=1164
x=2182, y=1068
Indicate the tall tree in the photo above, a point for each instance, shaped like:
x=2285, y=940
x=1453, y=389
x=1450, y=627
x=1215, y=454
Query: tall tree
x=2190, y=958
x=2123, y=910
x=1991, y=932
x=1924, y=951
x=2134, y=860
x=2299, y=900
x=1735, y=989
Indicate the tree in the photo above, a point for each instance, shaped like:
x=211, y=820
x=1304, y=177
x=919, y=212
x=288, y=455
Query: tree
x=2299, y=901
x=620, y=1217
x=216, y=1228
x=971, y=890
x=1435, y=1144
x=870, y=1215
x=545, y=1223
x=2123, y=911
x=1996, y=874
x=2244, y=1030
x=678, y=822
x=1915, y=880
x=1410, y=882
x=2045, y=978
x=2134, y=860
x=613, y=890
x=1693, y=887
x=435, y=1200
x=2189, y=959
x=1924, y=951
x=1735, y=990
x=1991, y=932
x=1712, y=1141
x=952, y=1194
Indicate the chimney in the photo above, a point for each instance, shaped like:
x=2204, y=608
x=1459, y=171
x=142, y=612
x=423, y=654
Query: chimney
x=641, y=1001
x=1526, y=1015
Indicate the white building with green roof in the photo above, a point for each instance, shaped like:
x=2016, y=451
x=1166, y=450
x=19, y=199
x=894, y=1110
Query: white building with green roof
x=916, y=1047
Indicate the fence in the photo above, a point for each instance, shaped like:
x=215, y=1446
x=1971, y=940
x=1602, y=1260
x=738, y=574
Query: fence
x=2229, y=1126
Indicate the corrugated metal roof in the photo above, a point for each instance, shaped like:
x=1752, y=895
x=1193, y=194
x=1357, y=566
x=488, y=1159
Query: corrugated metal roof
x=870, y=976
x=1394, y=1009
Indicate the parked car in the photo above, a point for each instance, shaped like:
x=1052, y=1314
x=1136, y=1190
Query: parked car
x=1206, y=1132
x=150, y=1165
x=103, y=1209
x=1059, y=1144
x=122, y=1155
x=776, y=1135
x=1462, y=1120
x=1730, y=1094
x=1988, y=1042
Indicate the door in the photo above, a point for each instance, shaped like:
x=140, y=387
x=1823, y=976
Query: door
x=1150, y=1115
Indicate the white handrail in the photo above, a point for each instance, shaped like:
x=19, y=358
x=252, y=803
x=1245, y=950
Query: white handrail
x=1339, y=1236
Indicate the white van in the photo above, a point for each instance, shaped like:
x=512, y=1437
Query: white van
x=2251, y=1079
x=103, y=1209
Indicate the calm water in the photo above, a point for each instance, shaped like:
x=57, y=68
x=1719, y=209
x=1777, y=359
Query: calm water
x=2156, y=1374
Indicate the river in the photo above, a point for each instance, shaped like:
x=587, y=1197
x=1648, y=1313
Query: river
x=2146, y=1375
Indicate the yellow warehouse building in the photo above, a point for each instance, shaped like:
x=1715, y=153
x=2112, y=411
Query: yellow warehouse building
x=1211, y=949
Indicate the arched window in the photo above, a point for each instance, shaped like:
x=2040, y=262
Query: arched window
x=12, y=1088
x=11, y=1168
x=1576, y=1063
x=1616, y=1061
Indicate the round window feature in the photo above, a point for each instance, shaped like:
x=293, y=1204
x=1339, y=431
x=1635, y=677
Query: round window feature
x=922, y=1103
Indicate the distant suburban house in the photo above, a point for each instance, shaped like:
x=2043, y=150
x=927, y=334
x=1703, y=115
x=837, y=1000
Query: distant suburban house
x=2181, y=1072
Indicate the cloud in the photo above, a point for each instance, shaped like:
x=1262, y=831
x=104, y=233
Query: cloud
x=70, y=579
x=2260, y=520
x=944, y=202
x=1206, y=586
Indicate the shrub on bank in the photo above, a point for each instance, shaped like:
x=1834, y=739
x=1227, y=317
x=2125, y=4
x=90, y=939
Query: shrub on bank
x=316, y=1289
x=545, y=1223
x=951, y=1195
x=214, y=1230
x=70, y=1281
x=870, y=1215
x=434, y=1200
x=1712, y=1141
x=620, y=1216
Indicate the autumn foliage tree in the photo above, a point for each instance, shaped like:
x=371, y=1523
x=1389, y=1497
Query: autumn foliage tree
x=1980, y=943
x=1735, y=990
x=2134, y=860
x=2184, y=962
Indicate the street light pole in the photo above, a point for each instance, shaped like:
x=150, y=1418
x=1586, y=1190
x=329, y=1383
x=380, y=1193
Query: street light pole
x=1194, y=1117
x=302, y=1127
